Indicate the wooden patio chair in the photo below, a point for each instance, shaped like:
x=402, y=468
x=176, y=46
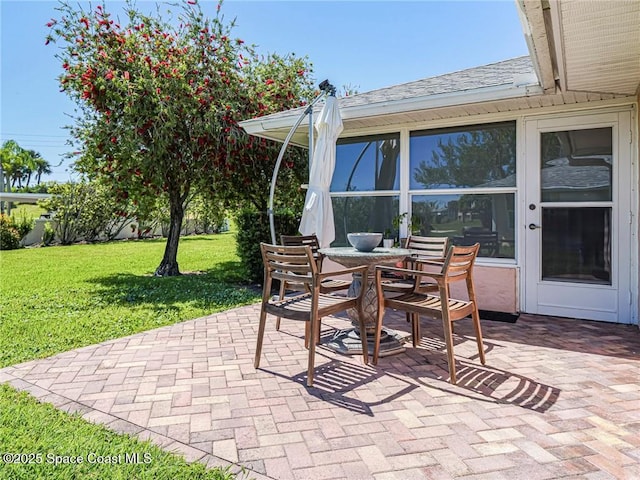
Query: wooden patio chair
x=296, y=264
x=423, y=248
x=457, y=266
x=328, y=285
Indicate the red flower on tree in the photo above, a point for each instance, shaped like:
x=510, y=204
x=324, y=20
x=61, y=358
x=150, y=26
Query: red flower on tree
x=170, y=129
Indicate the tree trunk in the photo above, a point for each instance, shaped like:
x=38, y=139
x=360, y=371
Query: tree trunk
x=169, y=265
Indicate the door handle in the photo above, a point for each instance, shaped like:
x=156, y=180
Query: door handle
x=533, y=226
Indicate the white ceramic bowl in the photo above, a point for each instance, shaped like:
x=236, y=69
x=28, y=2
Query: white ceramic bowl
x=364, y=241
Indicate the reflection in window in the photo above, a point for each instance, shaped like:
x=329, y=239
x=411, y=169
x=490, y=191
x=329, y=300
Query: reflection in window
x=362, y=214
x=367, y=164
x=468, y=218
x=476, y=156
x=576, y=165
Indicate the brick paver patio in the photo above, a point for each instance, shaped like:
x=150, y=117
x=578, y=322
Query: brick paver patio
x=558, y=398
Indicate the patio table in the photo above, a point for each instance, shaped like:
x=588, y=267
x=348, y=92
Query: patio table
x=348, y=341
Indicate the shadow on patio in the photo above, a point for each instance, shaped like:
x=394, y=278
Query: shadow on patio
x=556, y=398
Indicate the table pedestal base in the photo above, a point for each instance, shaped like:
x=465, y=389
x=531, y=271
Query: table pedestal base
x=348, y=342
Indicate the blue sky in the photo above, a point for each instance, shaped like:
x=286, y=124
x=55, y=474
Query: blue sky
x=361, y=44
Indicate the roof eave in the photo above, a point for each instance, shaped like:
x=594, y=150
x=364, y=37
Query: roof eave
x=278, y=127
x=534, y=20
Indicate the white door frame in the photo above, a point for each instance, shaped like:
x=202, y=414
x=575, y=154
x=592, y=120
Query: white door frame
x=614, y=303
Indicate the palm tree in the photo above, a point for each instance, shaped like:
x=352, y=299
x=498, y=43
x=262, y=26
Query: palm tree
x=32, y=162
x=21, y=168
x=18, y=164
x=42, y=168
x=9, y=153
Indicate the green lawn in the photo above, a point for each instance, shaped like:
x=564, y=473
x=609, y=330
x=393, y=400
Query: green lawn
x=56, y=299
x=28, y=210
x=52, y=439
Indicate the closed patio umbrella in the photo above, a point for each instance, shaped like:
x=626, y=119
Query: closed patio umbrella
x=317, y=216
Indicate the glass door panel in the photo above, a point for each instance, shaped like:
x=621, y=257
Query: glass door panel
x=576, y=245
x=576, y=165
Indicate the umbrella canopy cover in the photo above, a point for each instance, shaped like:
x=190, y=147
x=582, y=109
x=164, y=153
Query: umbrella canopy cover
x=317, y=217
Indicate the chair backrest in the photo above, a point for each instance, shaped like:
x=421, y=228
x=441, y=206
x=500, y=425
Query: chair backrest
x=427, y=246
x=458, y=264
x=294, y=264
x=304, y=240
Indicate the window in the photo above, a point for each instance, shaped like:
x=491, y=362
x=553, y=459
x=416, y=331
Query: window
x=366, y=184
x=462, y=185
x=362, y=214
x=576, y=165
x=467, y=219
x=367, y=164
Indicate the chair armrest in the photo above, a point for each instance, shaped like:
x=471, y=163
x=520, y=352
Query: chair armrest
x=438, y=261
x=362, y=269
x=409, y=272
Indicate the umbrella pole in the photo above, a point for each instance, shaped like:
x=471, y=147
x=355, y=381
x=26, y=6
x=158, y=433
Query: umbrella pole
x=327, y=89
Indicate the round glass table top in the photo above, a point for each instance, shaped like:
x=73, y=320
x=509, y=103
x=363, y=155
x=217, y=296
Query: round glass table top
x=349, y=256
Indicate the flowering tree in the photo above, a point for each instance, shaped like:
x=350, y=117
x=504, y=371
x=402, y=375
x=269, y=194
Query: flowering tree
x=158, y=105
x=272, y=85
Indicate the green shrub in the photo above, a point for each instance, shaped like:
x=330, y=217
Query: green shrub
x=207, y=215
x=66, y=205
x=48, y=234
x=253, y=228
x=87, y=211
x=23, y=224
x=9, y=235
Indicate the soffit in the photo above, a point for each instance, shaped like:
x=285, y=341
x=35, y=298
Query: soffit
x=597, y=45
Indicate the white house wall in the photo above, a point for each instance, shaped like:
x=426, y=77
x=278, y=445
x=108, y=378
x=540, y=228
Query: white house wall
x=498, y=280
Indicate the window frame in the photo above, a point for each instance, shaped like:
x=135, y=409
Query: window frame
x=406, y=194
x=411, y=193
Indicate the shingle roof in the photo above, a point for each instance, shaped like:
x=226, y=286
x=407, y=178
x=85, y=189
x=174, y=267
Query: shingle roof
x=507, y=72
x=492, y=75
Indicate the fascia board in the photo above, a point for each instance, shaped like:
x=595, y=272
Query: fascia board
x=532, y=20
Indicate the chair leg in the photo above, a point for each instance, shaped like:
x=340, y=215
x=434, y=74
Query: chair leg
x=261, y=325
x=319, y=324
x=448, y=338
x=307, y=328
x=312, y=352
x=378, y=332
x=415, y=329
x=476, y=325
x=363, y=337
x=282, y=290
